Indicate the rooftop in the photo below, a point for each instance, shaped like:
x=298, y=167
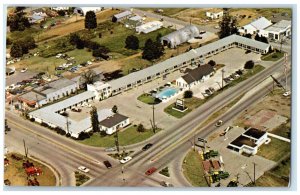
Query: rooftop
x=123, y=14
x=54, y=86
x=31, y=97
x=254, y=133
x=261, y=23
x=113, y=120
x=197, y=73
x=242, y=140
x=279, y=26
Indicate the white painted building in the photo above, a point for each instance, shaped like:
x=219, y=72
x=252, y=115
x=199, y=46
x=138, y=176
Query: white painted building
x=100, y=89
x=83, y=10
x=149, y=27
x=255, y=26
x=60, y=8
x=277, y=31
x=214, y=14
x=114, y=123
x=249, y=141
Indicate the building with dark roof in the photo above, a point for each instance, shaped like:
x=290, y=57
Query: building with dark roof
x=195, y=76
x=113, y=123
x=249, y=141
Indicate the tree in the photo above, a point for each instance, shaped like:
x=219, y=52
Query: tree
x=94, y=119
x=212, y=63
x=61, y=12
x=100, y=35
x=18, y=22
x=74, y=38
x=188, y=94
x=152, y=50
x=158, y=37
x=80, y=44
x=248, y=35
x=141, y=128
x=257, y=37
x=132, y=42
x=114, y=109
x=264, y=39
x=90, y=21
x=88, y=77
x=228, y=26
x=249, y=64
x=16, y=50
x=19, y=9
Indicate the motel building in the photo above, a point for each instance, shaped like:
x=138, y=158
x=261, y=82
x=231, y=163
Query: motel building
x=195, y=76
x=100, y=89
x=249, y=141
x=113, y=123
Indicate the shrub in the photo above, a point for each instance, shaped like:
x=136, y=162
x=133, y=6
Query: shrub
x=212, y=62
x=188, y=94
x=141, y=128
x=32, y=119
x=249, y=64
x=44, y=124
x=274, y=56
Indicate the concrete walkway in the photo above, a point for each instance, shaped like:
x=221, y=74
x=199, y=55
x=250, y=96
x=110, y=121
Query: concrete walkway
x=279, y=137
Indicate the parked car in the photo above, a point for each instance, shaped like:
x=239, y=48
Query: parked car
x=125, y=159
x=107, y=164
x=24, y=70
x=59, y=68
x=76, y=109
x=287, y=93
x=219, y=123
x=147, y=146
x=83, y=169
x=150, y=171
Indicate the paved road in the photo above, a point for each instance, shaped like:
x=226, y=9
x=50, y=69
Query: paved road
x=174, y=21
x=67, y=154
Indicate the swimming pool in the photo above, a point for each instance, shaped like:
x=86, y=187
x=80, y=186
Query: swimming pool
x=166, y=93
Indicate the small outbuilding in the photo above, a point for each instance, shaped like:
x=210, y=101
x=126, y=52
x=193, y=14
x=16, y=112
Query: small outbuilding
x=113, y=123
x=83, y=10
x=214, y=13
x=121, y=16
x=149, y=27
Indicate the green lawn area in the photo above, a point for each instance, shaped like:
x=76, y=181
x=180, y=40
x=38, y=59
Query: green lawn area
x=126, y=137
x=80, y=55
x=193, y=103
x=275, y=150
x=283, y=130
x=277, y=177
x=147, y=99
x=166, y=11
x=136, y=62
x=273, y=56
x=193, y=169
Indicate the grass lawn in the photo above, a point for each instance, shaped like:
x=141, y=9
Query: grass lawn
x=277, y=177
x=193, y=169
x=147, y=99
x=165, y=172
x=80, y=55
x=273, y=56
x=80, y=178
x=126, y=137
x=193, y=103
x=283, y=130
x=134, y=62
x=275, y=150
x=166, y=11
x=16, y=174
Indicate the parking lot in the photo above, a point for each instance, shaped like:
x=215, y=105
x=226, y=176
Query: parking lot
x=233, y=59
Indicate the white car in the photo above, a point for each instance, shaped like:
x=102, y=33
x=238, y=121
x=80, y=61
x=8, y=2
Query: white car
x=89, y=62
x=125, y=159
x=24, y=70
x=287, y=93
x=58, y=55
x=83, y=169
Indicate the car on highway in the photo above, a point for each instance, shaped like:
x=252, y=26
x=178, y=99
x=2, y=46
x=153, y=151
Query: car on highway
x=125, y=159
x=107, y=164
x=110, y=149
x=24, y=70
x=150, y=171
x=287, y=93
x=219, y=123
x=83, y=169
x=147, y=146
x=166, y=184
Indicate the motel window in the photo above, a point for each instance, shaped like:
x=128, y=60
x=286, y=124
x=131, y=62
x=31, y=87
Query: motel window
x=148, y=78
x=139, y=81
x=129, y=85
x=157, y=74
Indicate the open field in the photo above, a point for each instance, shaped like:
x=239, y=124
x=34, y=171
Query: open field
x=16, y=174
x=126, y=137
x=193, y=169
x=275, y=150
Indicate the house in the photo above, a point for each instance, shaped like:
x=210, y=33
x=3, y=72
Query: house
x=180, y=36
x=100, y=89
x=32, y=99
x=83, y=10
x=278, y=30
x=255, y=26
x=249, y=141
x=113, y=123
x=149, y=27
x=214, y=14
x=133, y=22
x=121, y=16
x=37, y=17
x=195, y=76
x=59, y=8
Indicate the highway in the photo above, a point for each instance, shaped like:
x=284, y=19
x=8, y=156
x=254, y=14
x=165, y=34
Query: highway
x=66, y=155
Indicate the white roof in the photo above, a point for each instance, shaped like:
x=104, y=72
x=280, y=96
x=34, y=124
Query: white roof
x=194, y=53
x=280, y=26
x=136, y=18
x=260, y=23
x=123, y=14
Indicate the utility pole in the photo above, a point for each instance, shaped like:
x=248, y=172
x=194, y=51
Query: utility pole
x=68, y=122
x=123, y=174
x=117, y=141
x=254, y=164
x=25, y=148
x=223, y=78
x=154, y=126
x=37, y=101
x=285, y=70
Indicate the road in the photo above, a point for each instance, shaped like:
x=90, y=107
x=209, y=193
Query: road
x=66, y=155
x=173, y=21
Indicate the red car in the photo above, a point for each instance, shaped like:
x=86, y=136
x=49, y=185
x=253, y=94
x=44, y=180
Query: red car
x=150, y=171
